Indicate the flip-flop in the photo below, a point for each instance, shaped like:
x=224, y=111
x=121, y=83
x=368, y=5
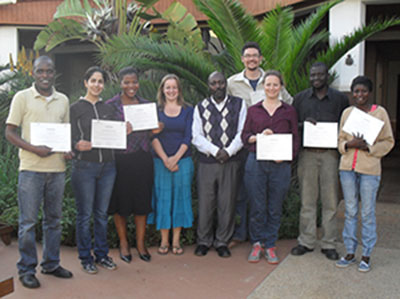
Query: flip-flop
x=163, y=250
x=177, y=250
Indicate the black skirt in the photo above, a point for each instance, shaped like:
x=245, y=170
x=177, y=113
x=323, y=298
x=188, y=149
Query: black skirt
x=133, y=185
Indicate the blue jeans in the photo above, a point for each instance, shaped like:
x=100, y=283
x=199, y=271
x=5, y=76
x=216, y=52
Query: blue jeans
x=33, y=189
x=267, y=184
x=92, y=184
x=356, y=185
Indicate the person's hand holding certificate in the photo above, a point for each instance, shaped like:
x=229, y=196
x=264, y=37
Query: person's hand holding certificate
x=322, y=134
x=108, y=134
x=274, y=147
x=56, y=136
x=361, y=123
x=142, y=116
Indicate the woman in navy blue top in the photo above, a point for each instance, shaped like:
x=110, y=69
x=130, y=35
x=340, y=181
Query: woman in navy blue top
x=173, y=166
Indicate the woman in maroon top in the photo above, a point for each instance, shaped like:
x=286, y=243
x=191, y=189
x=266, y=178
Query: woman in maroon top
x=267, y=182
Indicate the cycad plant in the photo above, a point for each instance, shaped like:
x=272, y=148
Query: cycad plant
x=97, y=22
x=285, y=46
x=79, y=20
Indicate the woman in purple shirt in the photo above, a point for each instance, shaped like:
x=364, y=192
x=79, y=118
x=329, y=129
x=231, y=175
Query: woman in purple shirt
x=267, y=182
x=134, y=182
x=173, y=166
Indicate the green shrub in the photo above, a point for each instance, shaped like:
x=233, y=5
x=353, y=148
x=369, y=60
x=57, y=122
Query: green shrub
x=290, y=214
x=8, y=175
x=8, y=153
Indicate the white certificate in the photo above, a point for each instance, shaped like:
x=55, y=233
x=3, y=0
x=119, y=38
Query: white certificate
x=274, y=147
x=57, y=136
x=323, y=134
x=142, y=116
x=108, y=134
x=360, y=122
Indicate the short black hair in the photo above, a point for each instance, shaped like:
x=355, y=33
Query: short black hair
x=320, y=64
x=94, y=69
x=127, y=71
x=251, y=45
x=362, y=80
x=216, y=73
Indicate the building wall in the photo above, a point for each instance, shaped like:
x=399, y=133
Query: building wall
x=344, y=18
x=252, y=6
x=28, y=12
x=40, y=12
x=9, y=44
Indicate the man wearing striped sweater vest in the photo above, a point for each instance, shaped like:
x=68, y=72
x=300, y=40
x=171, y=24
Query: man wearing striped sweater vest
x=217, y=124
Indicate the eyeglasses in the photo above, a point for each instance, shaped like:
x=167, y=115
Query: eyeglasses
x=251, y=56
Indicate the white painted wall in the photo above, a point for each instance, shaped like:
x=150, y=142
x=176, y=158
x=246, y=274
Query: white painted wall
x=5, y=2
x=344, y=18
x=9, y=44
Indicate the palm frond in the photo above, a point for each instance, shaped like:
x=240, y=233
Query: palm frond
x=183, y=26
x=224, y=63
x=305, y=37
x=146, y=53
x=74, y=8
x=232, y=24
x=277, y=37
x=300, y=62
x=297, y=81
x=147, y=3
x=57, y=32
x=149, y=85
x=335, y=52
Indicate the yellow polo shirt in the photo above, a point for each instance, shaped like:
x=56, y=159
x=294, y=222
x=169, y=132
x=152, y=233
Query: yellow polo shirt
x=28, y=106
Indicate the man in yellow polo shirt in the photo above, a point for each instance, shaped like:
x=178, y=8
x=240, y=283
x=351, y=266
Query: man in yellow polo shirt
x=42, y=173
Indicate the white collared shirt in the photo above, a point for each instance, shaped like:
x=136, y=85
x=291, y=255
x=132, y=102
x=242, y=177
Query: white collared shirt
x=239, y=86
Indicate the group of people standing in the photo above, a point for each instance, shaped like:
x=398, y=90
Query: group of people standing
x=154, y=186
x=239, y=196
x=150, y=179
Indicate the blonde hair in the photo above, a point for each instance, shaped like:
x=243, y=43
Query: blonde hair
x=161, y=96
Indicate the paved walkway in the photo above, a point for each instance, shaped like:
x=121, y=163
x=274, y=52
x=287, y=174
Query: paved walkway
x=313, y=276
x=186, y=276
